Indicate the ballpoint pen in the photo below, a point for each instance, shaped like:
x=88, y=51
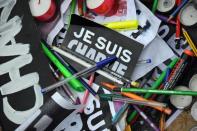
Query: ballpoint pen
x=95, y=67
x=65, y=88
x=119, y=98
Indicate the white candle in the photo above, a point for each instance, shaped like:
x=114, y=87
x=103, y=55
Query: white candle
x=42, y=10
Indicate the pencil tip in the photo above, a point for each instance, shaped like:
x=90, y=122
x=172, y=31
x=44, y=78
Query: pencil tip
x=169, y=18
x=183, y=29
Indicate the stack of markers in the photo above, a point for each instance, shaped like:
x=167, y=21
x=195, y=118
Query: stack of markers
x=139, y=98
x=163, y=86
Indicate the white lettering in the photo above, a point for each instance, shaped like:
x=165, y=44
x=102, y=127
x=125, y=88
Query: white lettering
x=72, y=43
x=19, y=117
x=90, y=107
x=88, y=35
x=100, y=57
x=8, y=30
x=43, y=123
x=100, y=43
x=164, y=30
x=81, y=49
x=126, y=56
x=80, y=33
x=91, y=118
x=91, y=54
x=113, y=50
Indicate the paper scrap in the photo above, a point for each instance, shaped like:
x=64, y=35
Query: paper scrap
x=158, y=51
x=125, y=11
x=144, y=15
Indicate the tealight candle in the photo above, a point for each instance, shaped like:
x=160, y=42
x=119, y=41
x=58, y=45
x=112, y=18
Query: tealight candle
x=42, y=10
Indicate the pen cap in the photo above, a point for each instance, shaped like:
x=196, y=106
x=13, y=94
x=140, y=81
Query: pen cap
x=105, y=97
x=104, y=62
x=108, y=85
x=108, y=97
x=188, y=52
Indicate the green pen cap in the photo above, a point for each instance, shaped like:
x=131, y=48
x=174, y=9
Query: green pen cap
x=108, y=97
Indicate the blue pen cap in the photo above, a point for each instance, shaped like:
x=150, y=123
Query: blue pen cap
x=106, y=61
x=148, y=60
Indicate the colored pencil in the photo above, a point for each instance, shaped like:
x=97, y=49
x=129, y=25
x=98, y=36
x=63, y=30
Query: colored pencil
x=165, y=19
x=178, y=9
x=190, y=42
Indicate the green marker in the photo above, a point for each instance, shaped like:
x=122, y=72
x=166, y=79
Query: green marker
x=155, y=85
x=72, y=9
x=74, y=83
x=154, y=91
x=154, y=8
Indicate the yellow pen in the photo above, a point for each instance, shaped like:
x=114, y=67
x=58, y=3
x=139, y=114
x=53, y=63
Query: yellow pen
x=123, y=25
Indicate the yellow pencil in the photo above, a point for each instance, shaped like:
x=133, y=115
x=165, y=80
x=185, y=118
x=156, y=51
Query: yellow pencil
x=190, y=42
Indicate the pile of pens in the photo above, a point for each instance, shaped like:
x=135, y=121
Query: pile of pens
x=118, y=93
x=135, y=96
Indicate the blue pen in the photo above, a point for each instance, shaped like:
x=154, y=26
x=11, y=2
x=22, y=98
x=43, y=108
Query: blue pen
x=177, y=10
x=73, y=71
x=92, y=69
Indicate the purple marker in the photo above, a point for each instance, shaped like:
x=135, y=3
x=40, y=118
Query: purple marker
x=144, y=116
x=165, y=19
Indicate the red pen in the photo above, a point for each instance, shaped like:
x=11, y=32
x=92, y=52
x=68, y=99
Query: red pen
x=178, y=28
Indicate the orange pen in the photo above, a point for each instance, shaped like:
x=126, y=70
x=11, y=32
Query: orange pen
x=136, y=97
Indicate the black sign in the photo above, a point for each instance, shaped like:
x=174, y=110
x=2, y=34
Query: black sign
x=93, y=42
x=23, y=67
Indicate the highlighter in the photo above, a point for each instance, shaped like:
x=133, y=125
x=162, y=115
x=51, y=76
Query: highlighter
x=74, y=83
x=123, y=25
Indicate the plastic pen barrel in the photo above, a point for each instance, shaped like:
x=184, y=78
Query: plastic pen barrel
x=74, y=83
x=155, y=85
x=164, y=92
